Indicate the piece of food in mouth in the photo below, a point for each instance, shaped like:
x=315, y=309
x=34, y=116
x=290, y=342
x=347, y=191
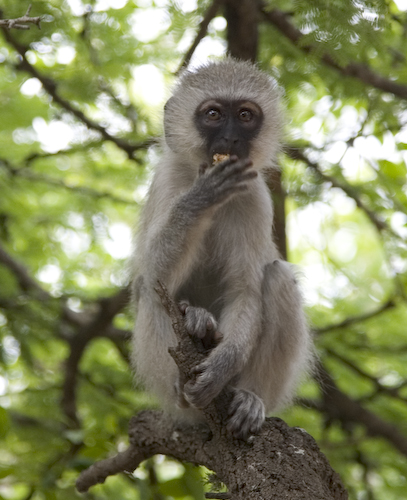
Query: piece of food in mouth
x=218, y=158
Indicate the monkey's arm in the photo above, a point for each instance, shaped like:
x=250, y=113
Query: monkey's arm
x=286, y=337
x=174, y=239
x=240, y=325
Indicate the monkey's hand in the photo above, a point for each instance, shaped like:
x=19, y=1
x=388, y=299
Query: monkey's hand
x=212, y=375
x=246, y=414
x=200, y=323
x=216, y=185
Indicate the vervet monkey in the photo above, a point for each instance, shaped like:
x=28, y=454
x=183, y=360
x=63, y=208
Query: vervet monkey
x=206, y=233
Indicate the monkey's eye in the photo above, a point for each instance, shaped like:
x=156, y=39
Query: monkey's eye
x=213, y=114
x=245, y=115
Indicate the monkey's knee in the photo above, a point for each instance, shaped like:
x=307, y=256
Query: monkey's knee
x=280, y=284
x=280, y=270
x=246, y=414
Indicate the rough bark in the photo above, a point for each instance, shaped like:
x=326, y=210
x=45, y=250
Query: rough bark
x=242, y=33
x=279, y=463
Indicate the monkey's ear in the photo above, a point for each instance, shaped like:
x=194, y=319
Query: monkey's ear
x=169, y=123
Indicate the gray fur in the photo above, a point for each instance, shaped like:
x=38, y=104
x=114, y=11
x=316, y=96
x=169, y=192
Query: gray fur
x=206, y=234
x=246, y=414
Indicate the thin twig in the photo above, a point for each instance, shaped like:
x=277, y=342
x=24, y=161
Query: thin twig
x=297, y=154
x=393, y=392
x=357, y=319
x=21, y=23
x=203, y=28
x=83, y=190
x=51, y=87
x=98, y=472
x=357, y=70
x=339, y=406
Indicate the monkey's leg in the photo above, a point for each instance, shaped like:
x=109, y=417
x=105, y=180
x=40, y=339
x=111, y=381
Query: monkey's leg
x=284, y=353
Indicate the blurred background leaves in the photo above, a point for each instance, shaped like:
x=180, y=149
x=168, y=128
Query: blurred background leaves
x=80, y=111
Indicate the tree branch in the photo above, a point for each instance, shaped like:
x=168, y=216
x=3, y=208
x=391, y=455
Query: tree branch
x=339, y=406
x=353, y=69
x=277, y=461
x=21, y=23
x=94, y=327
x=243, y=28
x=88, y=327
x=297, y=154
x=393, y=392
x=25, y=281
x=357, y=319
x=278, y=194
x=83, y=190
x=203, y=28
x=51, y=87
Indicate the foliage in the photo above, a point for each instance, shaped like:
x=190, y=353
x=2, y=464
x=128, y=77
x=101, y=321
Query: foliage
x=80, y=102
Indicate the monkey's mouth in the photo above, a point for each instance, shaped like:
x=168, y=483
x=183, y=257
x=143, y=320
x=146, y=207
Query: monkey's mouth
x=218, y=158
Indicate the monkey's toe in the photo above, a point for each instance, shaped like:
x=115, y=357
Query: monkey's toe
x=201, y=392
x=246, y=414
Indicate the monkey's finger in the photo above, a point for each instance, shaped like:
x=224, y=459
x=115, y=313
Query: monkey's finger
x=198, y=369
x=182, y=306
x=229, y=191
x=201, y=392
x=249, y=174
x=237, y=165
x=236, y=170
x=244, y=179
x=220, y=167
x=239, y=177
x=231, y=159
x=211, y=323
x=230, y=188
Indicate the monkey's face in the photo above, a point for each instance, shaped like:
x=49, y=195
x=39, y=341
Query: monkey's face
x=228, y=127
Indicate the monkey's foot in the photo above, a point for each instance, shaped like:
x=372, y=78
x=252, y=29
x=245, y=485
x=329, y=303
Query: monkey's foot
x=246, y=414
x=200, y=323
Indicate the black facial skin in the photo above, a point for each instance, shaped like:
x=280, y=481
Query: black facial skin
x=228, y=127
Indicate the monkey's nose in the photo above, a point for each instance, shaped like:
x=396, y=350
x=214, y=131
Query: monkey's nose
x=226, y=144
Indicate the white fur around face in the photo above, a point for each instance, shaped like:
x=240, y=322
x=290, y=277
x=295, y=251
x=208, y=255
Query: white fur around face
x=229, y=80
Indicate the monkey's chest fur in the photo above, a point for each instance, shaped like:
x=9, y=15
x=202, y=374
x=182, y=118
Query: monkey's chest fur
x=204, y=288
x=228, y=250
